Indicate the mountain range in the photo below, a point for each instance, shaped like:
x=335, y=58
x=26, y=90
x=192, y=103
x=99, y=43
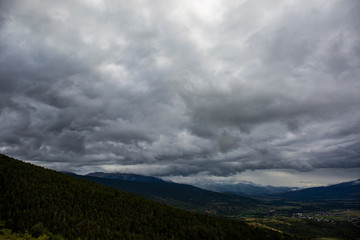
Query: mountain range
x=125, y=177
x=180, y=195
x=342, y=191
x=229, y=203
x=248, y=189
x=152, y=187
x=35, y=198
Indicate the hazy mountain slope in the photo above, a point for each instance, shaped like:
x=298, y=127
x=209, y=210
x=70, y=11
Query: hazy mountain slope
x=248, y=189
x=125, y=177
x=342, y=191
x=183, y=195
x=77, y=208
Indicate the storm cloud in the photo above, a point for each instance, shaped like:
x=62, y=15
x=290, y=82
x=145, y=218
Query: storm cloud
x=173, y=88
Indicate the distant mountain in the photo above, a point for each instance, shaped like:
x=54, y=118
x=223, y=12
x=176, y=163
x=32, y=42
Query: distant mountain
x=125, y=177
x=342, y=191
x=181, y=195
x=249, y=189
x=35, y=198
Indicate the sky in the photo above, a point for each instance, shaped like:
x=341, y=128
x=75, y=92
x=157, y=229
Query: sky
x=193, y=91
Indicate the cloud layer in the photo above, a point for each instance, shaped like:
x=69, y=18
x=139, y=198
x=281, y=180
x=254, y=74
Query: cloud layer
x=181, y=88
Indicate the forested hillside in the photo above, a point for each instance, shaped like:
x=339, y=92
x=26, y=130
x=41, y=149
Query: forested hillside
x=76, y=208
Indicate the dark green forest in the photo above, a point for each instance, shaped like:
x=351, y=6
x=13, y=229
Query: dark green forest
x=32, y=196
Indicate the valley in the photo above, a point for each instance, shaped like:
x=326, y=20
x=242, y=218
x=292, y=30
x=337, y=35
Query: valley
x=292, y=212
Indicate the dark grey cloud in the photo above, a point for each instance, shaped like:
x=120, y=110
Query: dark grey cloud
x=177, y=88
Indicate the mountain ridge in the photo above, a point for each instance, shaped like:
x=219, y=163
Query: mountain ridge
x=340, y=191
x=249, y=189
x=182, y=195
x=246, y=189
x=125, y=176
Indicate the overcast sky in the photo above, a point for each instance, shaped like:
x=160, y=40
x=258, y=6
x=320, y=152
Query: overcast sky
x=188, y=90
